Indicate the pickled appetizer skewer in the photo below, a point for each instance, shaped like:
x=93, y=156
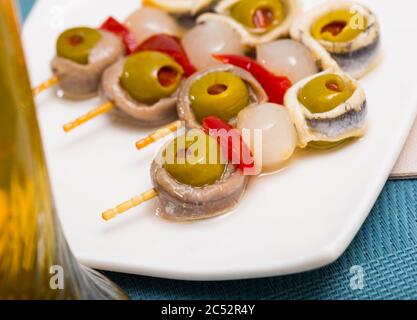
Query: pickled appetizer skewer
x=86, y=57
x=192, y=180
x=193, y=189
x=82, y=55
x=138, y=88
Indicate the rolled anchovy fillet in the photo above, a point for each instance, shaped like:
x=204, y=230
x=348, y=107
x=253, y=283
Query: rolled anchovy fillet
x=181, y=202
x=186, y=113
x=128, y=108
x=356, y=57
x=79, y=81
x=348, y=120
x=358, y=63
x=252, y=37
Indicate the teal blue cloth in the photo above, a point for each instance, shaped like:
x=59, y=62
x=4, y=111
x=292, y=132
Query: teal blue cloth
x=386, y=249
x=25, y=6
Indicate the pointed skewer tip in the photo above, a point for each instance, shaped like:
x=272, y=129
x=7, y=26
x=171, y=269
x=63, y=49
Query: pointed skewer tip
x=132, y=203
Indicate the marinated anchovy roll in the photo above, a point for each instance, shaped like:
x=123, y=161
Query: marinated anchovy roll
x=327, y=108
x=197, y=188
x=82, y=56
x=342, y=35
x=221, y=91
x=144, y=87
x=256, y=21
x=181, y=7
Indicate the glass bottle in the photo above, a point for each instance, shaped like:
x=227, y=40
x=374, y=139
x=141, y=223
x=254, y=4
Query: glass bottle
x=35, y=260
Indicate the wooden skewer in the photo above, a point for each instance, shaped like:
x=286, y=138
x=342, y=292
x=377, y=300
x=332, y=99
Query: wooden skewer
x=45, y=85
x=132, y=203
x=87, y=117
x=159, y=134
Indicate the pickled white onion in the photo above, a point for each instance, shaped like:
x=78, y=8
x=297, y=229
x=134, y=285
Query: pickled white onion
x=210, y=38
x=146, y=22
x=278, y=134
x=287, y=58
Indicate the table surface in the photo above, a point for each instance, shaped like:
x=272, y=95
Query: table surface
x=381, y=263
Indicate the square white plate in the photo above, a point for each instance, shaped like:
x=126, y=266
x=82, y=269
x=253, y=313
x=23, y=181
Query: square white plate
x=297, y=220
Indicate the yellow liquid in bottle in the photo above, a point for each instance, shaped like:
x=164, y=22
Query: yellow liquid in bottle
x=31, y=240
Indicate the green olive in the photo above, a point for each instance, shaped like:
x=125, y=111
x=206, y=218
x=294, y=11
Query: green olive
x=76, y=44
x=324, y=93
x=258, y=14
x=194, y=159
x=220, y=94
x=150, y=76
x=339, y=26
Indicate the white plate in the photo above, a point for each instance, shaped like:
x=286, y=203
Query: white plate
x=300, y=219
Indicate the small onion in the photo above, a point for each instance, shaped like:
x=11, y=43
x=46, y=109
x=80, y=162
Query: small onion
x=287, y=58
x=210, y=38
x=277, y=133
x=146, y=22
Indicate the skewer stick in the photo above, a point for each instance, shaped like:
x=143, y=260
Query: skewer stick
x=45, y=85
x=159, y=134
x=132, y=203
x=87, y=117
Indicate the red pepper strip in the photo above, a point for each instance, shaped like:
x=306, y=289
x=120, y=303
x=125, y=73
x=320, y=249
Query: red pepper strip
x=275, y=86
x=114, y=26
x=236, y=149
x=171, y=46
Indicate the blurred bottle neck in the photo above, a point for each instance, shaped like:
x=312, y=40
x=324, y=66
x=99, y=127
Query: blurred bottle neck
x=27, y=246
x=35, y=261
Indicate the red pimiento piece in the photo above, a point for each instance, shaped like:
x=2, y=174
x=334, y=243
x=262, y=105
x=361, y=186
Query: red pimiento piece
x=234, y=147
x=170, y=45
x=114, y=26
x=274, y=86
x=263, y=18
